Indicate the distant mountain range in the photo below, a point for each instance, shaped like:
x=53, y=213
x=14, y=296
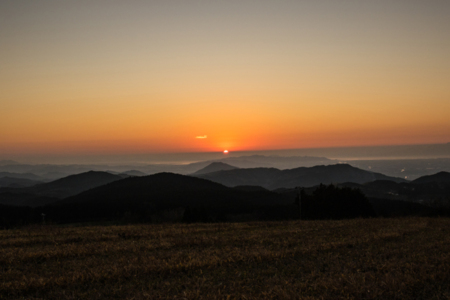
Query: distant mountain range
x=221, y=191
x=97, y=196
x=271, y=178
x=215, y=167
x=409, y=169
x=279, y=162
x=256, y=179
x=52, y=172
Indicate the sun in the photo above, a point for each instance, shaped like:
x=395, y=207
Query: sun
x=225, y=151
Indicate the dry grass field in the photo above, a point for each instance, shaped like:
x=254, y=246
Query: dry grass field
x=353, y=259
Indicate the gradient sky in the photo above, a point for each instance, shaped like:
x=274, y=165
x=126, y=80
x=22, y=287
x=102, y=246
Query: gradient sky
x=152, y=76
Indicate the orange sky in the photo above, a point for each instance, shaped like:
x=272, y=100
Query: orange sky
x=250, y=75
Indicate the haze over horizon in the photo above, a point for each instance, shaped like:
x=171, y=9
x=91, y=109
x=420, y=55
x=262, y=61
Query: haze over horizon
x=136, y=78
x=342, y=154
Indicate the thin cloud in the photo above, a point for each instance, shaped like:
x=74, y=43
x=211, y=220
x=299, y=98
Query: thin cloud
x=201, y=137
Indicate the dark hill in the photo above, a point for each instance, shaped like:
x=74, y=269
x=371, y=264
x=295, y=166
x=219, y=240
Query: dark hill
x=299, y=177
x=215, y=167
x=163, y=188
x=145, y=196
x=443, y=177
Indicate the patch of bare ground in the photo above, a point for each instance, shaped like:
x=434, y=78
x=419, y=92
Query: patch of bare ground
x=354, y=259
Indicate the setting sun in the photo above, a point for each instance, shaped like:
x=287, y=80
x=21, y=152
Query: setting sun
x=225, y=151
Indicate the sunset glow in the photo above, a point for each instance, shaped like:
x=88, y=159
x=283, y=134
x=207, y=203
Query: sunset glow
x=195, y=76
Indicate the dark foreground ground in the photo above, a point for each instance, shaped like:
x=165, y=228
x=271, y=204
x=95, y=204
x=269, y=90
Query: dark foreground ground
x=354, y=259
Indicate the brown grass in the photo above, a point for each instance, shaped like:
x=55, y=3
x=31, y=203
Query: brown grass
x=354, y=259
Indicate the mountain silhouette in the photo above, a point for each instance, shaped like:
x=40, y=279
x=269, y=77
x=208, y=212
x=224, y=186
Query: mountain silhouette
x=146, y=195
x=167, y=188
x=271, y=178
x=443, y=177
x=215, y=167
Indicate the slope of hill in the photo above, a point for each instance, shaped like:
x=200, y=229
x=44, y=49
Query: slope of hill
x=215, y=167
x=17, y=182
x=443, y=177
x=74, y=184
x=299, y=177
x=53, y=191
x=29, y=176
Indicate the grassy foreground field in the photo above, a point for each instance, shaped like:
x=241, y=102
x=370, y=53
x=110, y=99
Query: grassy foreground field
x=355, y=259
